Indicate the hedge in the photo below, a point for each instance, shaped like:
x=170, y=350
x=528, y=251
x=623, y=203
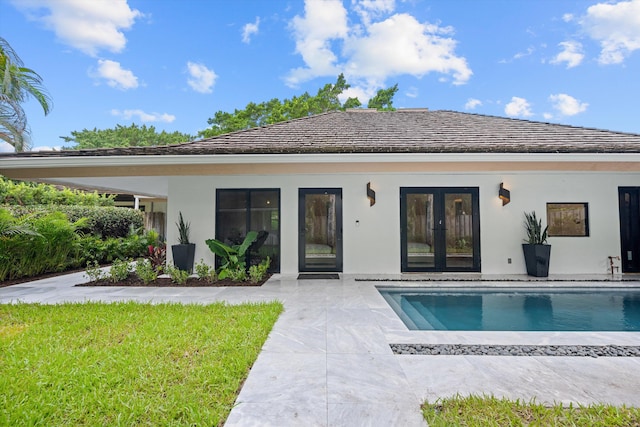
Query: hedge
x=27, y=193
x=102, y=221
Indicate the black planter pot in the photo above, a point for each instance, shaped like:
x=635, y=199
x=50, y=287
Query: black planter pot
x=536, y=257
x=183, y=256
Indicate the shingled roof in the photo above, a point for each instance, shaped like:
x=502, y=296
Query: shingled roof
x=402, y=131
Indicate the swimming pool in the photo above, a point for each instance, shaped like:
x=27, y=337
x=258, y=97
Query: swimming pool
x=516, y=309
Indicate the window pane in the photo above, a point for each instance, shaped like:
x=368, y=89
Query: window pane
x=231, y=218
x=420, y=231
x=459, y=230
x=320, y=231
x=265, y=219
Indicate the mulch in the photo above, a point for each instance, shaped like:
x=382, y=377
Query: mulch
x=134, y=281
x=164, y=282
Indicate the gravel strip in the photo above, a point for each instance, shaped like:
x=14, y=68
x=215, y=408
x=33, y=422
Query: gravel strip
x=517, y=350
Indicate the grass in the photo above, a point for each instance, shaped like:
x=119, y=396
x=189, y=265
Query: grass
x=491, y=411
x=127, y=363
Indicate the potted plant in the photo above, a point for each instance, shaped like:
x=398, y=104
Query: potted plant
x=183, y=253
x=536, y=251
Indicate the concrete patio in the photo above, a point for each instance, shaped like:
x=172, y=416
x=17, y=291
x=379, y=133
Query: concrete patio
x=328, y=362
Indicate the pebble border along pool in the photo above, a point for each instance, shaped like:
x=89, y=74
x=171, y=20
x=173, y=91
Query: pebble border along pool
x=516, y=350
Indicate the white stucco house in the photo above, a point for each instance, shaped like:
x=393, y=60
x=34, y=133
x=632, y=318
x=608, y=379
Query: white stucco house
x=368, y=192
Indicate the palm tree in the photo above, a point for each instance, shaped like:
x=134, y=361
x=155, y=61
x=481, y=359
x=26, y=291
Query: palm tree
x=17, y=83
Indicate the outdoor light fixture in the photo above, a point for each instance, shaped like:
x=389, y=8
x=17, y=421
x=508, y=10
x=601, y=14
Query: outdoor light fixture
x=504, y=194
x=371, y=195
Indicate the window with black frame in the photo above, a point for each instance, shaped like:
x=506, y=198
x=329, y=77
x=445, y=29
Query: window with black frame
x=568, y=219
x=239, y=211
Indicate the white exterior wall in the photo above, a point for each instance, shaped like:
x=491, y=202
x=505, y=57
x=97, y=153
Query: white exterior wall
x=371, y=235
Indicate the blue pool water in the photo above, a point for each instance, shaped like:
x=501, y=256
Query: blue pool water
x=516, y=310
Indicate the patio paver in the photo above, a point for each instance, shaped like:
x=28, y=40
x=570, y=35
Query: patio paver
x=327, y=361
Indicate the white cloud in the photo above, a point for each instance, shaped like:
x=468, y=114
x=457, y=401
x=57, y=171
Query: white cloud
x=88, y=26
x=571, y=54
x=5, y=147
x=567, y=17
x=324, y=21
x=371, y=9
x=472, y=103
x=372, y=51
x=412, y=92
x=144, y=117
x=567, y=105
x=616, y=27
x=115, y=75
x=46, y=148
x=518, y=107
x=201, y=78
x=250, y=29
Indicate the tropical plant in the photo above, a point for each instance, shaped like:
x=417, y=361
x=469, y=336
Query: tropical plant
x=183, y=230
x=17, y=84
x=10, y=226
x=536, y=235
x=232, y=258
x=157, y=255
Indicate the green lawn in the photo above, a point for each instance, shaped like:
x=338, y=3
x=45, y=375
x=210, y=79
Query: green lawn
x=490, y=411
x=127, y=363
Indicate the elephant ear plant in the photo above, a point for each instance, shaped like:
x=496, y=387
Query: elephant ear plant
x=232, y=258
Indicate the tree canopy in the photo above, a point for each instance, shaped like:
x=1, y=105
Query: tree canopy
x=17, y=84
x=124, y=136
x=274, y=111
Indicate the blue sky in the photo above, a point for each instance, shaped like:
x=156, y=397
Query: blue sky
x=173, y=64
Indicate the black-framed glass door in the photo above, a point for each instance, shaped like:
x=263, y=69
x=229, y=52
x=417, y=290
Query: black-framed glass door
x=440, y=229
x=320, y=229
x=629, y=204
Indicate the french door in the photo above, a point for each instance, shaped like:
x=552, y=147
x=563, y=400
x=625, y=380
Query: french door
x=629, y=203
x=320, y=229
x=440, y=229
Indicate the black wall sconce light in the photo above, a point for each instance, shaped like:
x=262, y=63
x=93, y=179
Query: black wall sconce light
x=371, y=195
x=504, y=194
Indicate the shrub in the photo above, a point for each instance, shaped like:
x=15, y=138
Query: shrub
x=257, y=272
x=27, y=193
x=53, y=247
x=94, y=272
x=177, y=276
x=101, y=221
x=120, y=270
x=205, y=271
x=145, y=271
x=238, y=274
